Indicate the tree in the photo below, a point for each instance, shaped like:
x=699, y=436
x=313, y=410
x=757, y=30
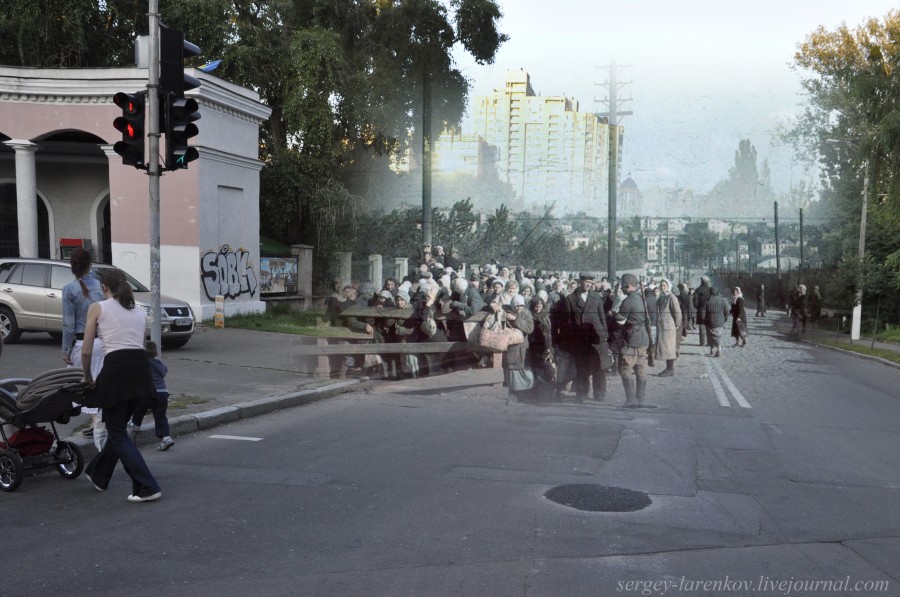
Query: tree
x=747, y=191
x=850, y=123
x=699, y=243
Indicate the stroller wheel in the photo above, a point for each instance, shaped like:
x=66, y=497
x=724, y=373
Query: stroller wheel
x=71, y=460
x=11, y=470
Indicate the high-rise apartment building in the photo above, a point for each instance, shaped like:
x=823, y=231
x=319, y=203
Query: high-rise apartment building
x=547, y=149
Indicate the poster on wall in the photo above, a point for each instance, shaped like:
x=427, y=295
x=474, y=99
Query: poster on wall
x=278, y=275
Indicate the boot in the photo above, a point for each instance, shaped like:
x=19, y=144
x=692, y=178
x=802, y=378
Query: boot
x=641, y=390
x=670, y=368
x=599, y=385
x=630, y=392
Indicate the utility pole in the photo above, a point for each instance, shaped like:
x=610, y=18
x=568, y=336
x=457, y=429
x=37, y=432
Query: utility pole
x=612, y=116
x=426, y=157
x=153, y=171
x=800, y=271
x=777, y=247
x=668, y=246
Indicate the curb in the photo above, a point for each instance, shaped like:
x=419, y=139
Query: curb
x=186, y=424
x=854, y=353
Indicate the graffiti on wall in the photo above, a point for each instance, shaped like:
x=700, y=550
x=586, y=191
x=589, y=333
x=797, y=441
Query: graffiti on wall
x=228, y=273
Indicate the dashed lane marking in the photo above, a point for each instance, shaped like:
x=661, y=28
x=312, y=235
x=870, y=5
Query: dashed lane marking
x=738, y=397
x=720, y=393
x=237, y=437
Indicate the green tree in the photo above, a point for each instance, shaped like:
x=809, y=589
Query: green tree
x=850, y=122
x=699, y=243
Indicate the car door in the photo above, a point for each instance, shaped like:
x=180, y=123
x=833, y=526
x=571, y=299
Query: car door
x=27, y=290
x=60, y=275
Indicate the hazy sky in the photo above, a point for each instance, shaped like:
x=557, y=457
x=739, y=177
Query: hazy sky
x=704, y=73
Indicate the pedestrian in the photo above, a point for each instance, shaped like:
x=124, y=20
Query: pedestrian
x=159, y=405
x=668, y=327
x=633, y=353
x=585, y=319
x=800, y=308
x=701, y=297
x=761, y=301
x=540, y=345
x=517, y=376
x=77, y=296
x=126, y=378
x=684, y=302
x=691, y=324
x=717, y=312
x=738, y=318
x=814, y=305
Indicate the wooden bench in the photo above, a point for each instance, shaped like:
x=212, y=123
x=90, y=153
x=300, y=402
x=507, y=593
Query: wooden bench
x=360, y=343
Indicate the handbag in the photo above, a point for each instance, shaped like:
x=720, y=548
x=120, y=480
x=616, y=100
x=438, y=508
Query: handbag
x=497, y=335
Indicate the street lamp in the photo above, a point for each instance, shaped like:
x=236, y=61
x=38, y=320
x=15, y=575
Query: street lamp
x=857, y=308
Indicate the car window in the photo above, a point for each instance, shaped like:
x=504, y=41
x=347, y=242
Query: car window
x=34, y=274
x=135, y=285
x=60, y=276
x=6, y=269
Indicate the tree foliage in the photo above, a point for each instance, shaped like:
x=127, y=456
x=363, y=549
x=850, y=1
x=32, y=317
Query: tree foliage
x=851, y=121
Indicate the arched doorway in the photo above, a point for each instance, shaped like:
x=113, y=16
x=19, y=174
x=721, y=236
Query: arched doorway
x=9, y=223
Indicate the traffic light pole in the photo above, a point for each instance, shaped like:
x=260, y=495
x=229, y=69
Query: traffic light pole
x=153, y=112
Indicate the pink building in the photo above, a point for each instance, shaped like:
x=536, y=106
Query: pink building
x=60, y=179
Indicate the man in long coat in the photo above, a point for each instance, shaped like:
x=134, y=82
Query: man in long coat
x=701, y=297
x=584, y=327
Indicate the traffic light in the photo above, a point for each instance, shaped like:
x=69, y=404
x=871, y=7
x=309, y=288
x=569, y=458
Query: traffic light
x=180, y=114
x=173, y=49
x=131, y=124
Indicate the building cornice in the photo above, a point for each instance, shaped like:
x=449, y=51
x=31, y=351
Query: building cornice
x=96, y=86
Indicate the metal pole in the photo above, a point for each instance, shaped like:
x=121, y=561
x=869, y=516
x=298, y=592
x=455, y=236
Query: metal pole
x=777, y=246
x=800, y=271
x=611, y=215
x=426, y=158
x=857, y=308
x=153, y=171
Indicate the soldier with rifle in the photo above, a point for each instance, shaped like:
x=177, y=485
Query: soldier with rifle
x=633, y=354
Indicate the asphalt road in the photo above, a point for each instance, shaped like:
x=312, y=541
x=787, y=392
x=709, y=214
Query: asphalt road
x=770, y=471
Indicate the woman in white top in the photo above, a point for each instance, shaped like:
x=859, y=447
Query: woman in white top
x=123, y=381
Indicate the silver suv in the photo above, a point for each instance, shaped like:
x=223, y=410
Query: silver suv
x=31, y=301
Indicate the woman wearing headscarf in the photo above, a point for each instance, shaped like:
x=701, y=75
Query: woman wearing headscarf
x=516, y=374
x=738, y=318
x=540, y=346
x=512, y=290
x=668, y=327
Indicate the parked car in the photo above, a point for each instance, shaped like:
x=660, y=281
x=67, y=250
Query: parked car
x=31, y=301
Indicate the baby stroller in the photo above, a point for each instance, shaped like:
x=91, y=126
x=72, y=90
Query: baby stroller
x=24, y=403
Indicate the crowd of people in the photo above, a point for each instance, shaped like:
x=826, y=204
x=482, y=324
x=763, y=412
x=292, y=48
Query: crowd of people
x=574, y=328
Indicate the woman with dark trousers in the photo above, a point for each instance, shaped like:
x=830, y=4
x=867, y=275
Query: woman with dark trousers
x=124, y=381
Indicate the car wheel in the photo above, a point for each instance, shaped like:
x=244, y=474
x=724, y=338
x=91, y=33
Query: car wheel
x=175, y=343
x=56, y=335
x=8, y=326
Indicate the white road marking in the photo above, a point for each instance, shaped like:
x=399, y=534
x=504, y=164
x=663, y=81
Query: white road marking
x=237, y=437
x=739, y=398
x=720, y=393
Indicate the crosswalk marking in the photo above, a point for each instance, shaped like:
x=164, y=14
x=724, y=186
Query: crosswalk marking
x=720, y=393
x=237, y=437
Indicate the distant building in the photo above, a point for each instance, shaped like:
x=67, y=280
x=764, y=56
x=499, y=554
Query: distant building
x=629, y=202
x=547, y=149
x=462, y=154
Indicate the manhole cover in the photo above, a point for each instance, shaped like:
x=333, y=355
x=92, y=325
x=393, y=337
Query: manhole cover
x=598, y=498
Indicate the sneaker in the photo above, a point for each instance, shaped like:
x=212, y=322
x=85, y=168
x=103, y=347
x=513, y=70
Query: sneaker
x=131, y=429
x=89, y=432
x=149, y=498
x=166, y=443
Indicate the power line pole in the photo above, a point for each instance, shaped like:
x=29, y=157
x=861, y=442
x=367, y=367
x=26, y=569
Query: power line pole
x=777, y=247
x=612, y=116
x=800, y=271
